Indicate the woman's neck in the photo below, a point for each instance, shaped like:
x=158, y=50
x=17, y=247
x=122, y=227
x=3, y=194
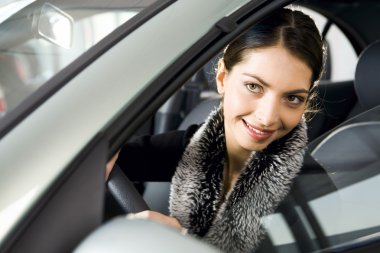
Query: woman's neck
x=236, y=155
x=236, y=161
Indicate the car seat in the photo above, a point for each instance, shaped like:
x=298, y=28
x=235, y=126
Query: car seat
x=200, y=113
x=367, y=79
x=339, y=101
x=366, y=84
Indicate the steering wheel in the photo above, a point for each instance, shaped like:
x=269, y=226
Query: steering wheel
x=124, y=192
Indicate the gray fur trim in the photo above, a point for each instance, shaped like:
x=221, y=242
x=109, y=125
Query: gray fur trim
x=233, y=225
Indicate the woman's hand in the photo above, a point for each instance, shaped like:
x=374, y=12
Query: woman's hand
x=161, y=218
x=110, y=164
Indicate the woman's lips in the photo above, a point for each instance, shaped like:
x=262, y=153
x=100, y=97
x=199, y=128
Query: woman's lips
x=257, y=133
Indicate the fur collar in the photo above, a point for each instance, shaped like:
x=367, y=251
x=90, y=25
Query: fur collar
x=232, y=225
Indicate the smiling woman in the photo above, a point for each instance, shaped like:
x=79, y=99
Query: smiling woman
x=260, y=104
x=237, y=166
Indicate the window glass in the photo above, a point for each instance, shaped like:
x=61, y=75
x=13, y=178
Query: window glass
x=279, y=232
x=349, y=213
x=338, y=202
x=342, y=215
x=341, y=54
x=40, y=39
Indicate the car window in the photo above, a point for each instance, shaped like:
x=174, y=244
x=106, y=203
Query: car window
x=341, y=55
x=338, y=202
x=40, y=39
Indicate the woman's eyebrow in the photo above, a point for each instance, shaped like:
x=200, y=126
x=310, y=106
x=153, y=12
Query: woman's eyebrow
x=291, y=92
x=258, y=79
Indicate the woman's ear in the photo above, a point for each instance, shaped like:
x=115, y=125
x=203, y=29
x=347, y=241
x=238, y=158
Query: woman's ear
x=220, y=75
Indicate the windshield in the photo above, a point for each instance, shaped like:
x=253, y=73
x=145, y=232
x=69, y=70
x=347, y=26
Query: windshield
x=39, y=39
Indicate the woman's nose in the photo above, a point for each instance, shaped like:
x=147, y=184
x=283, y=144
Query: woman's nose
x=267, y=111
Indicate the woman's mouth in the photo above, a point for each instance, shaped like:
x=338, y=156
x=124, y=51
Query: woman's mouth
x=257, y=133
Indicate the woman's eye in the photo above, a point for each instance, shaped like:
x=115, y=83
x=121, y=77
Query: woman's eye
x=295, y=100
x=253, y=87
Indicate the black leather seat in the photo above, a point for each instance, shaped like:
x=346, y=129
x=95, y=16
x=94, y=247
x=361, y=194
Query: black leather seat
x=367, y=79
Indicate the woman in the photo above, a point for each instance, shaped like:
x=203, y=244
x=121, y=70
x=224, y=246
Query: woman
x=237, y=166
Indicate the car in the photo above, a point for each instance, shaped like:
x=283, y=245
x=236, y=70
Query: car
x=80, y=78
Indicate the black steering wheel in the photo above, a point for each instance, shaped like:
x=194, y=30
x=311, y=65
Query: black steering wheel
x=124, y=192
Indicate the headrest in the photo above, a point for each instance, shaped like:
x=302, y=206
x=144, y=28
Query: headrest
x=367, y=76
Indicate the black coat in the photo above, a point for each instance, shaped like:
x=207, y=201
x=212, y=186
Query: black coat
x=154, y=158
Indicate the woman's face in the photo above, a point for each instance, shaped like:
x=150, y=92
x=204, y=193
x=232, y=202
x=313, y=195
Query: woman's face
x=264, y=97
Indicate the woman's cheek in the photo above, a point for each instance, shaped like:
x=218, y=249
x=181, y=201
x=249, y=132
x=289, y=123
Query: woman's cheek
x=292, y=117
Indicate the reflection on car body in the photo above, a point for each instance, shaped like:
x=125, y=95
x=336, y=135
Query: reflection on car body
x=3, y=104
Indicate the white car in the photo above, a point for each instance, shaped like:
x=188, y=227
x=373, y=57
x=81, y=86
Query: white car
x=82, y=77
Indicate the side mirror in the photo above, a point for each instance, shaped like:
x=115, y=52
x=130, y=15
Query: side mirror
x=55, y=25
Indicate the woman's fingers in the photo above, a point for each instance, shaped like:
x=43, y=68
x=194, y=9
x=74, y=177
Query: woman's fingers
x=111, y=163
x=161, y=218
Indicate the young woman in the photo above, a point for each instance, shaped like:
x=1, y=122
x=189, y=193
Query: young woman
x=237, y=166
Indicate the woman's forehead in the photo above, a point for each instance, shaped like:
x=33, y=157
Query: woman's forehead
x=275, y=65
